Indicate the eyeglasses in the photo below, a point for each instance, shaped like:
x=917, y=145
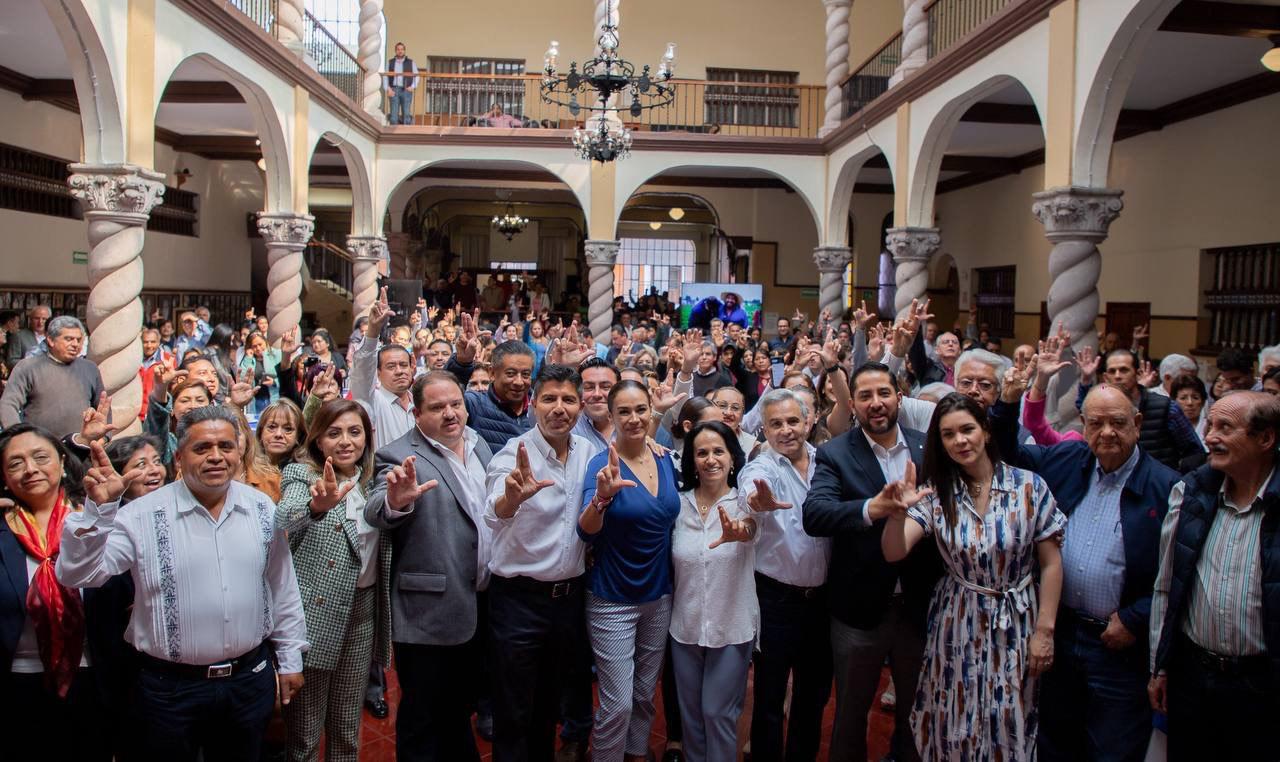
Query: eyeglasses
x=729, y=407
x=965, y=384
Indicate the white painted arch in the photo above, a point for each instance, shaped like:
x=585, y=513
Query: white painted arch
x=843, y=168
x=97, y=69
x=358, y=154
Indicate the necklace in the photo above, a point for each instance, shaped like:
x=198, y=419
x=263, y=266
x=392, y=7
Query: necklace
x=641, y=468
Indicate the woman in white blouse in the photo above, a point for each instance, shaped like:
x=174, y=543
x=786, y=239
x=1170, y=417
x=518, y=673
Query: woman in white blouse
x=344, y=567
x=714, y=616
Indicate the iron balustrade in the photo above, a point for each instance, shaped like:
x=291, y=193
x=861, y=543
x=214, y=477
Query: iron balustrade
x=331, y=58
x=262, y=12
x=870, y=80
x=951, y=20
x=325, y=261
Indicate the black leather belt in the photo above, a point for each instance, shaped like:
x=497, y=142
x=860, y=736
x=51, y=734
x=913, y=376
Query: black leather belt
x=549, y=589
x=1085, y=622
x=217, y=671
x=796, y=591
x=1216, y=662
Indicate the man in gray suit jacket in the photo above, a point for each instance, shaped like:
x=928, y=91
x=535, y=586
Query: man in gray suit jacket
x=429, y=496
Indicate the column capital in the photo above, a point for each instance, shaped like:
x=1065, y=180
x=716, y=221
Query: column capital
x=912, y=244
x=367, y=247
x=286, y=228
x=1075, y=213
x=124, y=192
x=601, y=253
x=832, y=258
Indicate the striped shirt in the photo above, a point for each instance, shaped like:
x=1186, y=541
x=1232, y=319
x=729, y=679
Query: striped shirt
x=1224, y=604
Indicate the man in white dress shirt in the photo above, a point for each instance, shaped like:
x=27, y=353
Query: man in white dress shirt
x=791, y=569
x=388, y=401
x=536, y=592
x=216, y=607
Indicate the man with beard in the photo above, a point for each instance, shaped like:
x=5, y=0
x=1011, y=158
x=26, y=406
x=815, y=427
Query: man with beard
x=216, y=603
x=878, y=609
x=536, y=593
x=731, y=309
x=790, y=570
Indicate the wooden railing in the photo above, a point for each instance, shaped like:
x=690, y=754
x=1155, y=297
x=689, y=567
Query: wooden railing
x=1244, y=299
x=332, y=59
x=870, y=80
x=950, y=20
x=726, y=108
x=325, y=261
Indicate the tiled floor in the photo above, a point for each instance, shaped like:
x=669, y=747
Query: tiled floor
x=377, y=738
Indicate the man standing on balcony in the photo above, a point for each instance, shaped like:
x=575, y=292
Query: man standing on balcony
x=400, y=86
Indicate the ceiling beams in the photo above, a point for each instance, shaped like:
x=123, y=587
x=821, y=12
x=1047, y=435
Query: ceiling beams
x=1230, y=19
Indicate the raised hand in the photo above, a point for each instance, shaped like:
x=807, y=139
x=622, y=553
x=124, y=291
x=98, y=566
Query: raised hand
x=863, y=317
x=468, y=339
x=876, y=343
x=289, y=343
x=1141, y=332
x=325, y=386
x=102, y=484
x=1088, y=360
x=763, y=498
x=1147, y=375
x=1049, y=358
x=609, y=481
x=733, y=530
x=664, y=400
x=95, y=427
x=379, y=314
x=165, y=379
x=242, y=391
x=327, y=493
x=897, y=497
x=1015, y=381
x=403, y=489
x=521, y=484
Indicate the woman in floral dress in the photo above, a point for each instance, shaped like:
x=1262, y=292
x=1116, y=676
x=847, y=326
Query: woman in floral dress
x=990, y=629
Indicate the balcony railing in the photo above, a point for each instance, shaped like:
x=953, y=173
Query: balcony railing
x=328, y=263
x=725, y=108
x=950, y=20
x=332, y=59
x=871, y=79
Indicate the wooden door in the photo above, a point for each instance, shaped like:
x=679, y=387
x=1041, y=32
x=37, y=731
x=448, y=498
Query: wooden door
x=1123, y=317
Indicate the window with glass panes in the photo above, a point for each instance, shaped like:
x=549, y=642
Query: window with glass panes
x=470, y=96
x=741, y=103
x=661, y=264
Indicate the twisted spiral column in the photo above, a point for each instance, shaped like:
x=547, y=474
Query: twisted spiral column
x=290, y=24
x=366, y=251
x=832, y=262
x=601, y=257
x=911, y=249
x=837, y=61
x=117, y=200
x=286, y=234
x=915, y=39
x=370, y=54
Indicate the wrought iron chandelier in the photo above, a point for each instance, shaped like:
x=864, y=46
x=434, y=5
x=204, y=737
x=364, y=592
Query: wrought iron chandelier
x=510, y=224
x=600, y=87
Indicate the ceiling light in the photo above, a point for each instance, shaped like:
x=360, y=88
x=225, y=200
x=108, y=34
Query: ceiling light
x=676, y=213
x=655, y=225
x=1271, y=59
x=262, y=164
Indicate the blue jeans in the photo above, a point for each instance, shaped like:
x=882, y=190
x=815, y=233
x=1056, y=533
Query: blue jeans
x=401, y=106
x=1093, y=702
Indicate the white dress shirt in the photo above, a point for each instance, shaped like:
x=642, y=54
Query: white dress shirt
x=893, y=461
x=784, y=551
x=207, y=590
x=714, y=604
x=541, y=540
x=391, y=419
x=366, y=534
x=470, y=476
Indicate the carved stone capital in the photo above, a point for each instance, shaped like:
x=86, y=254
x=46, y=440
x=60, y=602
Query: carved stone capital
x=124, y=191
x=831, y=259
x=602, y=253
x=912, y=244
x=367, y=247
x=1077, y=214
x=286, y=228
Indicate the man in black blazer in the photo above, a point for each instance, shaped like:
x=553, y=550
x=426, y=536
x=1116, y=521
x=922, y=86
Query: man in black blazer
x=429, y=494
x=878, y=609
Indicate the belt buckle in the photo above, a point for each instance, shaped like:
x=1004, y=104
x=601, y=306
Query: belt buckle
x=560, y=589
x=809, y=592
x=219, y=670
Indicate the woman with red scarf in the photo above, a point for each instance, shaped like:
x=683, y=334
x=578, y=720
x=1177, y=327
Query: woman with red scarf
x=45, y=677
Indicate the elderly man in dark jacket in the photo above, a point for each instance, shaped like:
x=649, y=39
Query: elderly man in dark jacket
x=1093, y=703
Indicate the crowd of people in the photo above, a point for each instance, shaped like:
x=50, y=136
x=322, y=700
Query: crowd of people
x=508, y=509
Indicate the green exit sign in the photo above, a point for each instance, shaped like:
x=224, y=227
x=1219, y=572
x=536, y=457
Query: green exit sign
x=79, y=257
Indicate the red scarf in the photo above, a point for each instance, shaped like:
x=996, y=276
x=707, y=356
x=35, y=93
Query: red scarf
x=56, y=611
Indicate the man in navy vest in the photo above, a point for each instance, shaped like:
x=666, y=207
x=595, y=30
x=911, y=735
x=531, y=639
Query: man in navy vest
x=1215, y=613
x=501, y=413
x=1093, y=702
x=400, y=84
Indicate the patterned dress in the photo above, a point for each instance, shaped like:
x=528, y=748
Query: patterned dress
x=977, y=700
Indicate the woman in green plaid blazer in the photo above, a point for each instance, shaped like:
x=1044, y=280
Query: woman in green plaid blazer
x=344, y=567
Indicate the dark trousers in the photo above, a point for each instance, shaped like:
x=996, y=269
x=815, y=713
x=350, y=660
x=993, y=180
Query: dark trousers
x=577, y=702
x=437, y=698
x=671, y=699
x=795, y=643
x=223, y=717
x=857, y=658
x=36, y=720
x=1093, y=703
x=537, y=630
x=1220, y=713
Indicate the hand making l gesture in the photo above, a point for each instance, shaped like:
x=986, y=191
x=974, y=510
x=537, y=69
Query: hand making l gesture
x=520, y=485
x=609, y=481
x=763, y=498
x=733, y=530
x=327, y=493
x=102, y=484
x=403, y=489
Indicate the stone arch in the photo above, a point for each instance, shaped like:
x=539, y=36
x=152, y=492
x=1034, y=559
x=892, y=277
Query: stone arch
x=926, y=164
x=267, y=121
x=362, y=219
x=1113, y=72
x=101, y=116
x=840, y=220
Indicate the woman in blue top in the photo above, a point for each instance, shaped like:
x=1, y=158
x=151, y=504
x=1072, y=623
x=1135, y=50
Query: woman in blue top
x=630, y=505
